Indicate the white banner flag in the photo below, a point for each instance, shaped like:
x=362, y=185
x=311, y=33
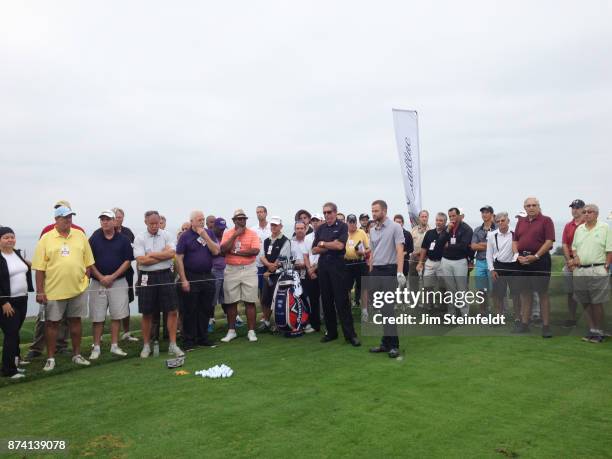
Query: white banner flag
x=407, y=138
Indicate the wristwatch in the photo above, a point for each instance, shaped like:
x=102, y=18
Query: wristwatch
x=537, y=256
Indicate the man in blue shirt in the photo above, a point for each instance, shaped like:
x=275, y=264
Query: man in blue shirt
x=113, y=255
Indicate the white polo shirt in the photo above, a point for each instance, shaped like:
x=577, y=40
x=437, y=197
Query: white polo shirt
x=146, y=243
x=500, y=249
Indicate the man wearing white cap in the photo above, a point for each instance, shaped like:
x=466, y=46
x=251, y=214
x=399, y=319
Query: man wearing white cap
x=240, y=245
x=274, y=247
x=62, y=261
x=109, y=287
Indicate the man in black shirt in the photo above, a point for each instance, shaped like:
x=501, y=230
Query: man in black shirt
x=329, y=242
x=456, y=240
x=408, y=243
x=430, y=254
x=129, y=274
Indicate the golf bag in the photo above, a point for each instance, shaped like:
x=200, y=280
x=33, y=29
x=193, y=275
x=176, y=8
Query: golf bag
x=291, y=307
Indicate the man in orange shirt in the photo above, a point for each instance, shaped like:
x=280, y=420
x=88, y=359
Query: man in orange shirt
x=240, y=246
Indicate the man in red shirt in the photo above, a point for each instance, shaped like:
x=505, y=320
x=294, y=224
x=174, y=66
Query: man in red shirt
x=577, y=207
x=533, y=238
x=38, y=342
x=48, y=228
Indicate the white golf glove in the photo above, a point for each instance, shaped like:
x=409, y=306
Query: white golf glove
x=401, y=280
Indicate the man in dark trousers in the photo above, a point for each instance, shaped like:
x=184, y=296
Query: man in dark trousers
x=386, y=269
x=329, y=243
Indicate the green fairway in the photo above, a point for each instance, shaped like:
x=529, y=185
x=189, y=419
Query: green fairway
x=458, y=397
x=519, y=396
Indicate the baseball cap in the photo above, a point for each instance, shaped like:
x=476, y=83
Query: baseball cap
x=63, y=211
x=351, y=218
x=577, y=204
x=275, y=221
x=107, y=213
x=487, y=208
x=317, y=217
x=520, y=213
x=61, y=203
x=239, y=213
x=220, y=223
x=364, y=216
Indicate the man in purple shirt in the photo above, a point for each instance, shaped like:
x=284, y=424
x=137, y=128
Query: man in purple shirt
x=194, y=259
x=533, y=238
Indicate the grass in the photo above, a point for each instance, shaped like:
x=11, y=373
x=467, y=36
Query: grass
x=446, y=397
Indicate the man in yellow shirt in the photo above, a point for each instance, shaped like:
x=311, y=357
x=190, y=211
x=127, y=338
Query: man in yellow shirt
x=592, y=256
x=62, y=260
x=357, y=246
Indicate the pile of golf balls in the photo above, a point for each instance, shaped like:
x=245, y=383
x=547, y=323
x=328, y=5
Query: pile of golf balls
x=218, y=371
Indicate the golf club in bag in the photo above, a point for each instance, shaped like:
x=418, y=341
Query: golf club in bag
x=291, y=306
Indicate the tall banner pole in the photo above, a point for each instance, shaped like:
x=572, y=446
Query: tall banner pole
x=406, y=126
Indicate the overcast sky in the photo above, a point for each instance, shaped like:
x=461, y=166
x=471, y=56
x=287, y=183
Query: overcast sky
x=217, y=105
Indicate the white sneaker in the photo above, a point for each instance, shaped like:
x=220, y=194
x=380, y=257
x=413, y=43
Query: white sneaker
x=79, y=360
x=49, y=365
x=95, y=353
x=21, y=370
x=252, y=336
x=116, y=350
x=174, y=349
x=146, y=351
x=17, y=376
x=128, y=337
x=309, y=329
x=231, y=334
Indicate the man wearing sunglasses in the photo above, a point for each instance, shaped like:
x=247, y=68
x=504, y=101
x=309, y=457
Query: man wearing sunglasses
x=577, y=206
x=329, y=242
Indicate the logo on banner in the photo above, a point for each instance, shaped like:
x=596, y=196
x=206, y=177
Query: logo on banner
x=409, y=167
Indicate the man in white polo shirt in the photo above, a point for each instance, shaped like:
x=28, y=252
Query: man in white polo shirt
x=154, y=250
x=263, y=231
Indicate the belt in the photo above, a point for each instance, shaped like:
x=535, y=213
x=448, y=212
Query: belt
x=593, y=265
x=157, y=271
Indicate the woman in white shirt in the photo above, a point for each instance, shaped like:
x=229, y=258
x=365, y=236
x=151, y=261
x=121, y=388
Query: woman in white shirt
x=15, y=283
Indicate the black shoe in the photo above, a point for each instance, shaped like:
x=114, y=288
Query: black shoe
x=378, y=349
x=546, y=332
x=33, y=354
x=327, y=338
x=520, y=327
x=394, y=353
x=206, y=343
x=355, y=341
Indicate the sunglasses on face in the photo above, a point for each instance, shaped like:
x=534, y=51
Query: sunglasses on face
x=327, y=212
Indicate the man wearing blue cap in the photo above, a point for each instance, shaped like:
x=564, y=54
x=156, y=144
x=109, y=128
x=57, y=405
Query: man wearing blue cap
x=62, y=261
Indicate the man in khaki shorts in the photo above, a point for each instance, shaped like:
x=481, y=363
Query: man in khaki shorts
x=592, y=256
x=109, y=287
x=240, y=245
x=62, y=261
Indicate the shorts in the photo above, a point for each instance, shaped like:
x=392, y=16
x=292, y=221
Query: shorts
x=591, y=285
x=71, y=307
x=534, y=277
x=482, y=275
x=115, y=299
x=432, y=272
x=157, y=293
x=240, y=283
x=568, y=280
x=506, y=274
